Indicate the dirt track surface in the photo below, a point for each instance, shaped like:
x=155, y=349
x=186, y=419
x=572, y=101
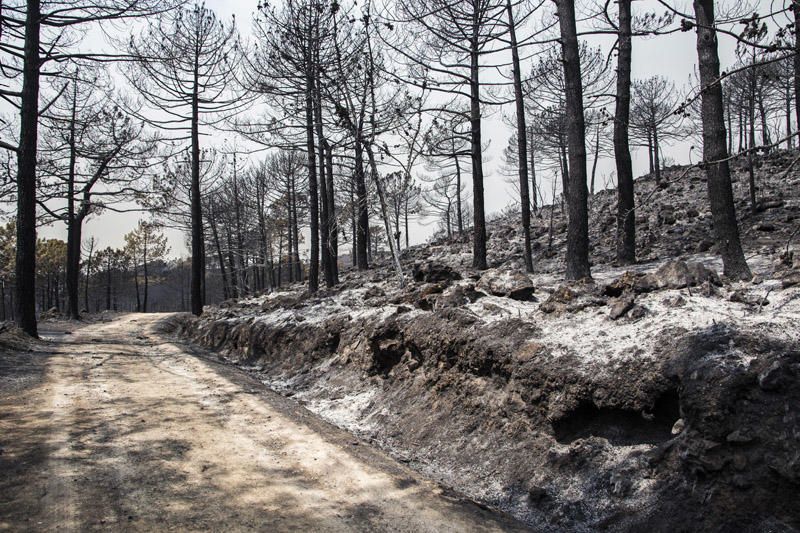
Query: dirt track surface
x=112, y=427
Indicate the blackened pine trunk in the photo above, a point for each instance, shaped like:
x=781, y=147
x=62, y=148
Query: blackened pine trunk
x=459, y=210
x=295, y=229
x=362, y=217
x=74, y=232
x=578, y=222
x=729, y=118
x=522, y=145
x=196, y=208
x=136, y=284
x=595, y=157
x=313, y=197
x=333, y=238
x=86, y=281
x=564, y=169
x=108, y=283
x=405, y=218
x=626, y=219
x=265, y=274
x=73, y=226
x=146, y=277
x=353, y=227
x=26, y=175
x=235, y=291
x=765, y=139
x=289, y=229
x=788, y=103
x=534, y=185
x=220, y=257
x=796, y=9
x=279, y=281
x=240, y=270
x=715, y=153
x=656, y=155
x=325, y=233
x=476, y=151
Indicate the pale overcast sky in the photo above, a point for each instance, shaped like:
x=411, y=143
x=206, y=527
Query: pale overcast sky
x=673, y=56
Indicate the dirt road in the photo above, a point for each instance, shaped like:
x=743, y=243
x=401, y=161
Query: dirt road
x=112, y=427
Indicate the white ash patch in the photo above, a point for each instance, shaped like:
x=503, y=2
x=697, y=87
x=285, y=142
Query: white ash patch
x=346, y=411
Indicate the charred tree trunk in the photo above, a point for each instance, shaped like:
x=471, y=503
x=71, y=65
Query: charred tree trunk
x=595, y=158
x=626, y=219
x=715, y=153
x=220, y=257
x=325, y=232
x=296, y=267
x=196, y=208
x=578, y=223
x=86, y=281
x=146, y=277
x=796, y=9
x=657, y=155
x=313, y=197
x=73, y=266
x=362, y=217
x=108, y=283
x=459, y=209
x=522, y=145
x=333, y=239
x=26, y=175
x=476, y=152
x=73, y=228
x=534, y=185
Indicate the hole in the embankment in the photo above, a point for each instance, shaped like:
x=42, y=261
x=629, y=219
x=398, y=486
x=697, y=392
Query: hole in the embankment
x=622, y=427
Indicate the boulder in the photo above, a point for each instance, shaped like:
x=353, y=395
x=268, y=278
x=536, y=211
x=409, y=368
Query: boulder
x=620, y=306
x=458, y=296
x=431, y=271
x=677, y=275
x=514, y=285
x=572, y=298
x=625, y=282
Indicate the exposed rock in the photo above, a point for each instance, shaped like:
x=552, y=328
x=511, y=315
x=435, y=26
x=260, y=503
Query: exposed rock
x=514, y=285
x=772, y=377
x=626, y=282
x=677, y=275
x=374, y=292
x=637, y=312
x=458, y=296
x=746, y=297
x=432, y=271
x=620, y=306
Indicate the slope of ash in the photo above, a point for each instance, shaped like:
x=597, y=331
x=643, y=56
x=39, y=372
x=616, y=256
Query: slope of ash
x=657, y=395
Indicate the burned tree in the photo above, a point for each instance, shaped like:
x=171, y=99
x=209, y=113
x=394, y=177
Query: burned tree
x=187, y=63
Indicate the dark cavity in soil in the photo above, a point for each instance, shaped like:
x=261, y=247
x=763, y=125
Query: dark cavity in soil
x=622, y=427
